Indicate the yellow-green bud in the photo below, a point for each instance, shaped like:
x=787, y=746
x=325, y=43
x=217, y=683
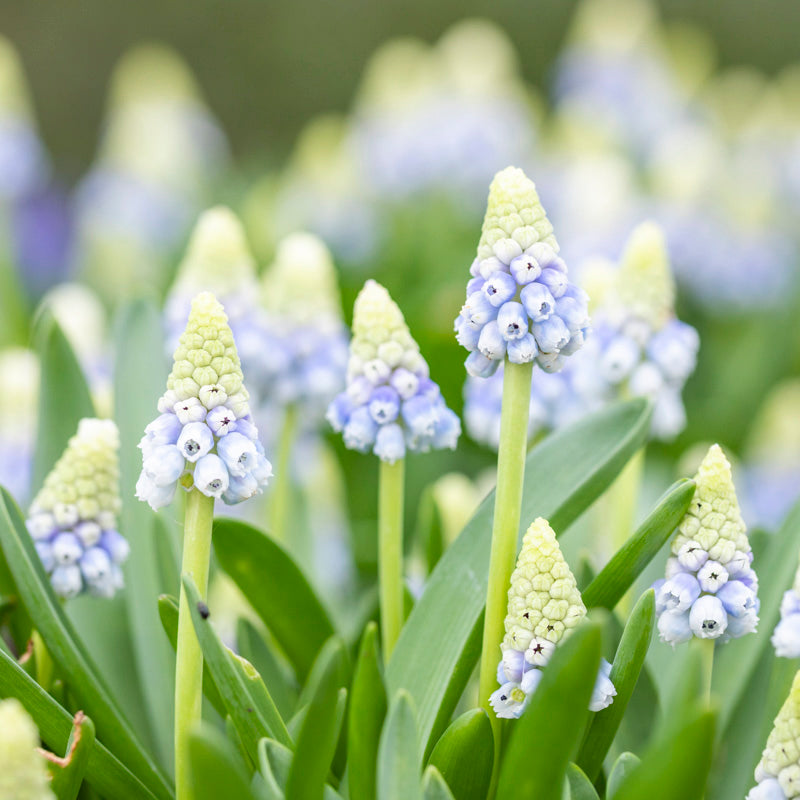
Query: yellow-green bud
x=14, y=100
x=23, y=771
x=515, y=218
x=713, y=519
x=543, y=600
x=84, y=483
x=206, y=364
x=781, y=756
x=645, y=285
x=19, y=377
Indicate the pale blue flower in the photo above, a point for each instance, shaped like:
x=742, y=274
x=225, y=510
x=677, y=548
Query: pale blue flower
x=708, y=618
x=211, y=476
x=604, y=692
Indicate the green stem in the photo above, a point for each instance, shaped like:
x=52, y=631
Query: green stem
x=390, y=552
x=280, y=501
x=505, y=529
x=189, y=663
x=707, y=660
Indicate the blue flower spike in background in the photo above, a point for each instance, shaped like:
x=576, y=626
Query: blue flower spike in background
x=544, y=605
x=786, y=636
x=711, y=590
x=73, y=518
x=390, y=407
x=205, y=441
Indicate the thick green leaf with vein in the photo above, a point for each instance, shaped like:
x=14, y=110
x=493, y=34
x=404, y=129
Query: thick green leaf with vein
x=104, y=771
x=398, y=752
x=434, y=786
x=85, y=681
x=564, y=475
x=546, y=737
x=276, y=588
x=139, y=378
x=580, y=787
x=627, y=563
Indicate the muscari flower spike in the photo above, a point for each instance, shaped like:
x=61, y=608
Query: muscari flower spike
x=390, y=405
x=778, y=771
x=520, y=302
x=23, y=770
x=786, y=636
x=204, y=437
x=544, y=606
x=710, y=590
x=305, y=348
x=73, y=519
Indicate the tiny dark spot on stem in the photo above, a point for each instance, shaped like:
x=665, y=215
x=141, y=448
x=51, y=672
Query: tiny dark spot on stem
x=203, y=609
x=249, y=710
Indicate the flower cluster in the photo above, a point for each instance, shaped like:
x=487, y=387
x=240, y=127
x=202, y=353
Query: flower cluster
x=73, y=519
x=204, y=437
x=778, y=771
x=23, y=771
x=520, y=303
x=390, y=405
x=710, y=591
x=544, y=605
x=786, y=636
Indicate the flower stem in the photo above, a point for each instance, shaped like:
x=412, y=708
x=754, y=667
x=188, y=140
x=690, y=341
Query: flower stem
x=707, y=665
x=189, y=663
x=390, y=551
x=280, y=501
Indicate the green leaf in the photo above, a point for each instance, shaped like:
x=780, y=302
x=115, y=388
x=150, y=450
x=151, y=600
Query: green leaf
x=366, y=714
x=676, y=766
x=286, y=602
x=139, y=379
x=622, y=768
x=398, y=752
x=104, y=771
x=580, y=787
x=319, y=732
x=216, y=769
x=430, y=533
x=68, y=772
x=546, y=737
x=262, y=656
x=564, y=474
x=625, y=670
x=276, y=760
x=465, y=755
x=627, y=563
x=85, y=681
x=272, y=789
x=242, y=691
x=434, y=786
x=168, y=613
x=736, y=662
x=13, y=300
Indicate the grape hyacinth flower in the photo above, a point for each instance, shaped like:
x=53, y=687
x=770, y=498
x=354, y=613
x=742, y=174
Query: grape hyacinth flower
x=23, y=769
x=391, y=405
x=710, y=591
x=778, y=772
x=786, y=636
x=520, y=303
x=73, y=518
x=204, y=437
x=544, y=606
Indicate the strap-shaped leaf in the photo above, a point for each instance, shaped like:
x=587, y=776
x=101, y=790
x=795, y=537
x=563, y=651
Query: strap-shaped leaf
x=67, y=772
x=465, y=754
x=434, y=786
x=546, y=737
x=216, y=768
x=285, y=601
x=625, y=670
x=398, y=752
x=621, y=769
x=275, y=761
x=564, y=475
x=69, y=653
x=580, y=787
x=627, y=563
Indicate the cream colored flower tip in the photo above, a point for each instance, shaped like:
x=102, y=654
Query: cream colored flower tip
x=301, y=283
x=14, y=99
x=645, y=285
x=23, y=771
x=781, y=756
x=206, y=364
x=218, y=258
x=543, y=600
x=713, y=520
x=515, y=218
x=19, y=377
x=84, y=483
x=380, y=334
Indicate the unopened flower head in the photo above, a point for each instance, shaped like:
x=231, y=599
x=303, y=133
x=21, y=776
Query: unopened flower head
x=520, y=303
x=711, y=590
x=23, y=770
x=304, y=353
x=204, y=437
x=390, y=405
x=73, y=519
x=778, y=771
x=544, y=606
x=19, y=377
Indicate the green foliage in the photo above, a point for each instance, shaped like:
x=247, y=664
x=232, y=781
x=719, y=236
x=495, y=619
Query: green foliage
x=398, y=752
x=68, y=772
